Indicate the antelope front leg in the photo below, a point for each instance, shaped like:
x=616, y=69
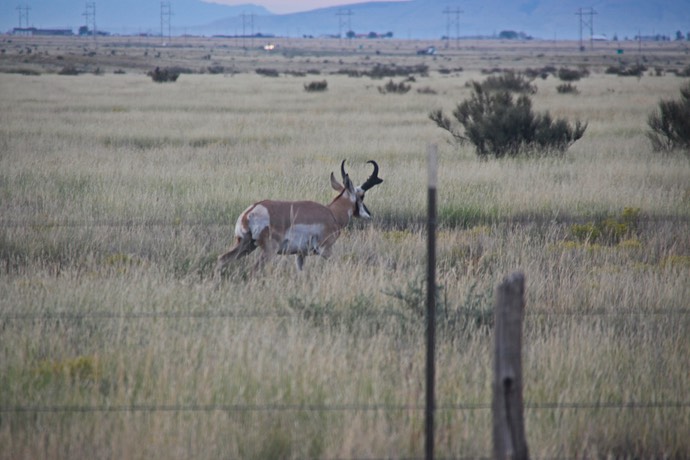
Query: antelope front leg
x=299, y=261
x=269, y=248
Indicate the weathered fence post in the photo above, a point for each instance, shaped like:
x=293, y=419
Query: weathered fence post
x=507, y=405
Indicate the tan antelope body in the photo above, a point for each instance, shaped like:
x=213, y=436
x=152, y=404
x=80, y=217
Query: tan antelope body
x=299, y=228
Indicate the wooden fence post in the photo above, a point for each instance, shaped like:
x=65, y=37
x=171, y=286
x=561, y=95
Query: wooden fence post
x=507, y=405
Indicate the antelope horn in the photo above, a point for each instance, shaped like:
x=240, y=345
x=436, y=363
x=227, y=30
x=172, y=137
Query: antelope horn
x=374, y=179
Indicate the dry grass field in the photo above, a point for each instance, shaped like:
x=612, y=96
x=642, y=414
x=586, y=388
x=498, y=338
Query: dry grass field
x=118, y=193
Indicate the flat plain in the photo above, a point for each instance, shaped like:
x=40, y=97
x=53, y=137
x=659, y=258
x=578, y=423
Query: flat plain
x=117, y=194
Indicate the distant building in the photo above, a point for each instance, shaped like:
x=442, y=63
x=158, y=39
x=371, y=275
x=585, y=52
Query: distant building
x=33, y=31
x=431, y=50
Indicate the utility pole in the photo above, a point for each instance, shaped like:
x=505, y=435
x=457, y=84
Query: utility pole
x=166, y=13
x=23, y=15
x=90, y=18
x=449, y=22
x=247, y=20
x=343, y=17
x=587, y=22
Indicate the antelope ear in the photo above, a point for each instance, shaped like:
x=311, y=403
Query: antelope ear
x=349, y=186
x=337, y=186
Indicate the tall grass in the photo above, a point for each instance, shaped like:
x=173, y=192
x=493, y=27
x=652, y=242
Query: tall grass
x=117, y=194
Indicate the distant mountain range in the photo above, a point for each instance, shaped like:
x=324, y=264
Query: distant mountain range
x=421, y=19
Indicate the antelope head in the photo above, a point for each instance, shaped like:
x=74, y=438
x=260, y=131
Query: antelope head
x=355, y=194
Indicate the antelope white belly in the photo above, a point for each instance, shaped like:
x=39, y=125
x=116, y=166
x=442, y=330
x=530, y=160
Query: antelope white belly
x=302, y=239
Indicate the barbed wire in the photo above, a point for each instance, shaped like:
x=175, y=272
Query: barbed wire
x=212, y=314
x=111, y=223
x=383, y=222
x=243, y=408
x=106, y=315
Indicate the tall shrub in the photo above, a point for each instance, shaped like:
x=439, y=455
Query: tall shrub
x=670, y=125
x=498, y=125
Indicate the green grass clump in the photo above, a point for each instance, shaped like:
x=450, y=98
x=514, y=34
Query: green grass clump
x=609, y=231
x=82, y=370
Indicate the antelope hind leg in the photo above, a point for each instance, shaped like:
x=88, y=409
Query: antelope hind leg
x=244, y=246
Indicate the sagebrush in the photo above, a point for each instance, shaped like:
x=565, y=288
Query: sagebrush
x=499, y=125
x=670, y=125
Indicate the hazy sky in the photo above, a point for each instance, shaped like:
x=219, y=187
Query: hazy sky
x=291, y=6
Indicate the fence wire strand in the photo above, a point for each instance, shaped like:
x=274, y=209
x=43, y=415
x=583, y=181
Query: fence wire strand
x=243, y=408
x=207, y=314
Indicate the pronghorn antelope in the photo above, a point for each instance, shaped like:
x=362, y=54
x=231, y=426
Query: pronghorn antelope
x=301, y=228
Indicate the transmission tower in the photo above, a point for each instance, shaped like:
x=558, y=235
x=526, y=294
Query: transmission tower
x=23, y=15
x=587, y=20
x=166, y=14
x=247, y=22
x=90, y=18
x=450, y=21
x=343, y=19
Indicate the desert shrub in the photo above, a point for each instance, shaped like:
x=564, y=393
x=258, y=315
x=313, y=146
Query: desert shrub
x=215, y=69
x=22, y=71
x=566, y=74
x=622, y=71
x=445, y=71
x=498, y=125
x=163, y=75
x=473, y=315
x=542, y=73
x=316, y=86
x=68, y=70
x=267, y=72
x=353, y=73
x=567, y=88
x=426, y=90
x=670, y=125
x=509, y=81
x=685, y=72
x=387, y=71
x=494, y=70
x=295, y=73
x=396, y=88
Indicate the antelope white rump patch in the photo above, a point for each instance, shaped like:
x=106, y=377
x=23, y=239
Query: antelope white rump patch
x=253, y=220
